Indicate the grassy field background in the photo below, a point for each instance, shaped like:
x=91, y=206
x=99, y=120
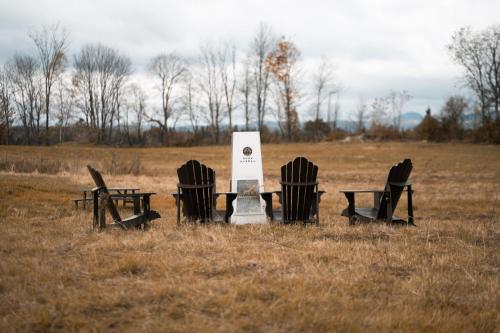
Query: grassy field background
x=444, y=275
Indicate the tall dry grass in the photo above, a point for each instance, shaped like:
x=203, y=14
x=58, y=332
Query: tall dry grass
x=58, y=275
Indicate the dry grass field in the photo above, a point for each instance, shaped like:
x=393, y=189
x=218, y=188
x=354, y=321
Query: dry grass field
x=441, y=276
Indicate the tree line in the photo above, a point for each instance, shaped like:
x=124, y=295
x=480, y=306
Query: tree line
x=49, y=96
x=92, y=96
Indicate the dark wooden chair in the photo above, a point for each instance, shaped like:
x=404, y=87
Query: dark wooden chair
x=384, y=201
x=196, y=191
x=103, y=200
x=299, y=196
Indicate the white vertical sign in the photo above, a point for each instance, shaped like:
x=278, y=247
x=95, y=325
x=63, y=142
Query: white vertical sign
x=247, y=179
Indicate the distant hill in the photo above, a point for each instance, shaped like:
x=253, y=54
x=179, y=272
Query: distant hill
x=410, y=120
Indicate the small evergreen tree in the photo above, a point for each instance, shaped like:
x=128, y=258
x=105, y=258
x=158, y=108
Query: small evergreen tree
x=429, y=128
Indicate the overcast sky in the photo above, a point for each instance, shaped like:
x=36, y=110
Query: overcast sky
x=376, y=45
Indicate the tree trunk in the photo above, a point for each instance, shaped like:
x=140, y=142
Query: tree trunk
x=47, y=103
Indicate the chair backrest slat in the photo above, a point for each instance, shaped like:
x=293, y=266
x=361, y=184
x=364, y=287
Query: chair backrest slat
x=198, y=201
x=297, y=187
x=398, y=175
x=210, y=192
x=198, y=193
x=312, y=173
x=99, y=182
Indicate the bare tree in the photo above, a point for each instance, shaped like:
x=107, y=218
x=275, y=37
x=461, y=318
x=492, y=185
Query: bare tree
x=100, y=75
x=169, y=69
x=380, y=111
x=85, y=83
x=65, y=100
x=51, y=43
x=261, y=46
x=120, y=68
x=336, y=109
x=491, y=37
x=6, y=105
x=397, y=101
x=323, y=85
x=479, y=54
x=213, y=89
x=190, y=103
x=282, y=62
x=133, y=102
x=227, y=65
x=28, y=97
x=245, y=89
x=139, y=108
x=277, y=110
x=452, y=115
x=360, y=115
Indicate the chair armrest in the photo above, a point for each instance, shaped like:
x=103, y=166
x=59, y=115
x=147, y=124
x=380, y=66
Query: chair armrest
x=364, y=191
x=131, y=195
x=95, y=189
x=272, y=192
x=226, y=193
x=123, y=189
x=407, y=183
x=230, y=197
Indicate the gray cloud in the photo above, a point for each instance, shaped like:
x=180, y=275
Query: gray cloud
x=377, y=46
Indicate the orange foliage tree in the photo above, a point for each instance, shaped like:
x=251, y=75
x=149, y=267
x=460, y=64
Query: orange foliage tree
x=281, y=63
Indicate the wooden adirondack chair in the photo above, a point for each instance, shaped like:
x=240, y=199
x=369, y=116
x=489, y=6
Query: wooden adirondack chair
x=384, y=201
x=196, y=191
x=299, y=195
x=103, y=200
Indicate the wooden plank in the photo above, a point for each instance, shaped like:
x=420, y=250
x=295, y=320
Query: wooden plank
x=284, y=195
x=397, y=174
x=99, y=181
x=310, y=199
x=288, y=192
x=195, y=208
x=187, y=194
x=211, y=192
x=295, y=189
x=301, y=190
x=299, y=174
x=200, y=192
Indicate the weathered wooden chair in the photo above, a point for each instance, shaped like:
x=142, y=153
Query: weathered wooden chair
x=299, y=195
x=384, y=201
x=103, y=200
x=196, y=191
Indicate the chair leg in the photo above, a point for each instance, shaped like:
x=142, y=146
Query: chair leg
x=137, y=205
x=410, y=205
x=376, y=199
x=95, y=208
x=351, y=208
x=284, y=205
x=389, y=207
x=102, y=211
x=317, y=205
x=178, y=204
x=147, y=205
